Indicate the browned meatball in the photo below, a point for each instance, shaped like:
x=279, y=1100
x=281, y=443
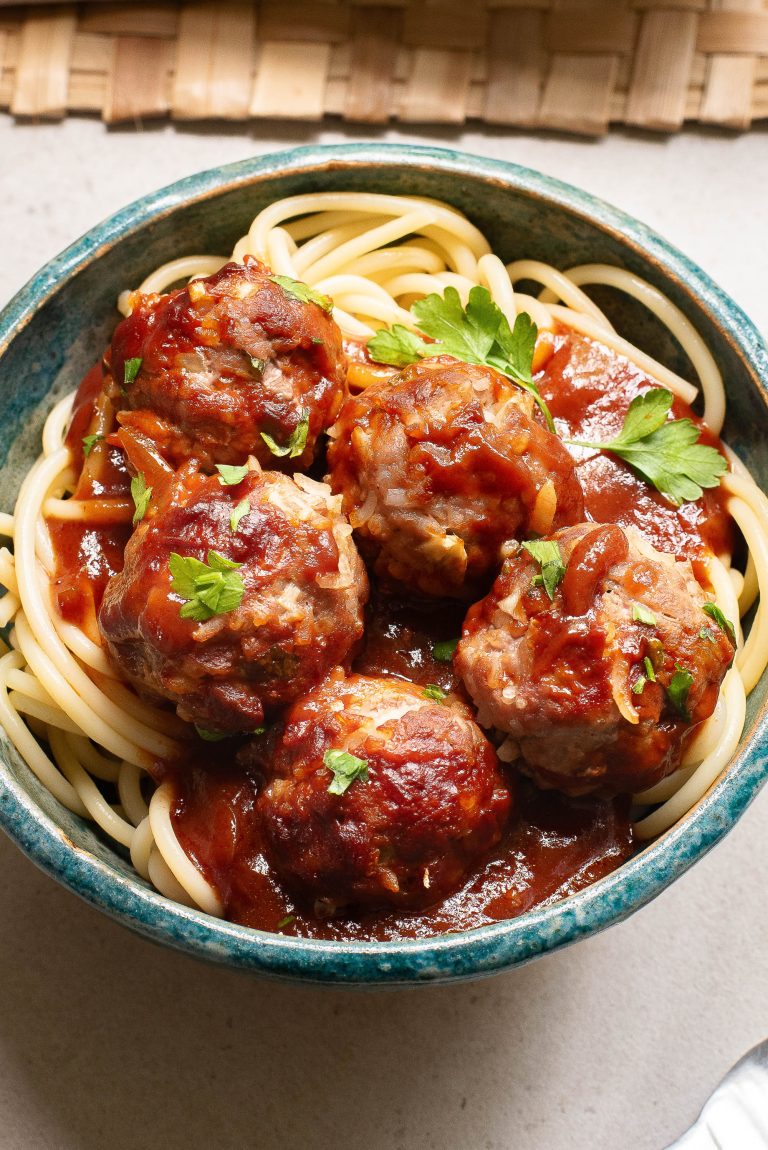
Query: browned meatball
x=597, y=686
x=227, y=358
x=431, y=800
x=440, y=466
x=224, y=642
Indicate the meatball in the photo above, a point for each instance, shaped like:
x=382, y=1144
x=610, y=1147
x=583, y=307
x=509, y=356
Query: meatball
x=440, y=466
x=226, y=359
x=236, y=599
x=596, y=686
x=429, y=803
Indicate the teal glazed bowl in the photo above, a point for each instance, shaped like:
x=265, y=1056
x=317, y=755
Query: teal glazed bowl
x=56, y=328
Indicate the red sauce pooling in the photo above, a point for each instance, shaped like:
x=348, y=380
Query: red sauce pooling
x=555, y=846
x=87, y=554
x=589, y=389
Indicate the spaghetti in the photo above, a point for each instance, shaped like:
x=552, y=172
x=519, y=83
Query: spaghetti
x=86, y=735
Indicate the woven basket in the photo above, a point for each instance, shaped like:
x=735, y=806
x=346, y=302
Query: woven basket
x=567, y=65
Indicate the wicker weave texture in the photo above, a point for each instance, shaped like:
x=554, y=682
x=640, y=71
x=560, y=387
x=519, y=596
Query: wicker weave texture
x=567, y=65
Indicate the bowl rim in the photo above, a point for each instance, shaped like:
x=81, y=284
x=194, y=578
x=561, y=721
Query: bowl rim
x=449, y=957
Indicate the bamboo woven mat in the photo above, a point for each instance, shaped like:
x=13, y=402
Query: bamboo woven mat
x=568, y=65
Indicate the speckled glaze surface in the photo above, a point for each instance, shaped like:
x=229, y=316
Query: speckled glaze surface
x=56, y=327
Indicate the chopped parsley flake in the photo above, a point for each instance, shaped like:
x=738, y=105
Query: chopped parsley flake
x=444, y=652
x=547, y=555
x=345, y=768
x=212, y=588
x=89, y=442
x=641, y=614
x=650, y=673
x=131, y=369
x=141, y=495
x=237, y=514
x=437, y=694
x=725, y=625
x=296, y=443
x=210, y=736
x=678, y=690
x=229, y=476
x=303, y=292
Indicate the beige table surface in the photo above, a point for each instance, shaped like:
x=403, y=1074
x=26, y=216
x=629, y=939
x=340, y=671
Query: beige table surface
x=109, y=1042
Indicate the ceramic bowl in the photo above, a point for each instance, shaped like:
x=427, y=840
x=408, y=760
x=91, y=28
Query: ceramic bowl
x=57, y=326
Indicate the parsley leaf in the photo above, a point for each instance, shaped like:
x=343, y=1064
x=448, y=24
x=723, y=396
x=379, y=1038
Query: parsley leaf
x=641, y=614
x=259, y=730
x=467, y=333
x=131, y=369
x=665, y=453
x=297, y=440
x=708, y=634
x=212, y=588
x=639, y=685
x=444, y=652
x=89, y=442
x=547, y=555
x=478, y=333
x=437, y=694
x=345, y=769
x=678, y=689
x=229, y=476
x=210, y=736
x=237, y=514
x=718, y=617
x=303, y=292
x=650, y=673
x=141, y=495
x=398, y=346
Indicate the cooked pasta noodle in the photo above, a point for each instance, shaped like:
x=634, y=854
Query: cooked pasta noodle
x=374, y=255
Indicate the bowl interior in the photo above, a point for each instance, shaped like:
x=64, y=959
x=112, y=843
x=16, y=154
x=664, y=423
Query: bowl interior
x=57, y=328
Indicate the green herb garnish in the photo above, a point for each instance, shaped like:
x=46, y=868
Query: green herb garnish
x=258, y=365
x=639, y=685
x=678, y=689
x=237, y=514
x=212, y=588
x=650, y=672
x=547, y=555
x=725, y=625
x=296, y=443
x=345, y=769
x=229, y=476
x=296, y=289
x=708, y=634
x=478, y=333
x=141, y=495
x=641, y=614
x=289, y=918
x=89, y=442
x=210, y=736
x=665, y=453
x=131, y=369
x=444, y=652
x=437, y=694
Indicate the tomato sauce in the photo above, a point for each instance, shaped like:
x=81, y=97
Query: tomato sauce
x=554, y=845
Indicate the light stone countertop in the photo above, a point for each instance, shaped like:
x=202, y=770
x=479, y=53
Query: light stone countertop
x=614, y=1044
